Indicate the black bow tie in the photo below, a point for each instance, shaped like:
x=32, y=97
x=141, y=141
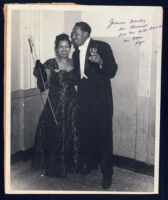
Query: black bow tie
x=77, y=50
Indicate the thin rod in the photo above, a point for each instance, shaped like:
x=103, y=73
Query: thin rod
x=31, y=50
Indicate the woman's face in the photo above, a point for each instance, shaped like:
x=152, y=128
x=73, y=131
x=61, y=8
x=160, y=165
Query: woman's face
x=63, y=49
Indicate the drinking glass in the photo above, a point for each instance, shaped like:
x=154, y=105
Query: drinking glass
x=93, y=51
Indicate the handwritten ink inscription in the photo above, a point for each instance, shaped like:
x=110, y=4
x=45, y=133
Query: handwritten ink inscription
x=114, y=22
x=133, y=28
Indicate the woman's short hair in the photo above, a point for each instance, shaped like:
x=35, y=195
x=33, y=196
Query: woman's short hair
x=62, y=37
x=84, y=27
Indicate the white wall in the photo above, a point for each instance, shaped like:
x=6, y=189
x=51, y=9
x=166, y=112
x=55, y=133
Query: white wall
x=43, y=26
x=15, y=51
x=51, y=24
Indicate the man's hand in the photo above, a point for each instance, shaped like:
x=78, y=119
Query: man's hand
x=96, y=59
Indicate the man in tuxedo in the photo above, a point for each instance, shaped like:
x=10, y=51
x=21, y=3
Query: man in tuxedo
x=95, y=64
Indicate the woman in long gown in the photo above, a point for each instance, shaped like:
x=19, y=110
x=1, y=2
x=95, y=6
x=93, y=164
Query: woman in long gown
x=56, y=147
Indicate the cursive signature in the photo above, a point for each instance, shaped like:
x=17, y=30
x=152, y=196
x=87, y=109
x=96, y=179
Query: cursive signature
x=138, y=26
x=133, y=28
x=137, y=21
x=115, y=23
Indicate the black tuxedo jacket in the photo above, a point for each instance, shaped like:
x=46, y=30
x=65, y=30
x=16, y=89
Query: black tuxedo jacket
x=96, y=90
x=109, y=67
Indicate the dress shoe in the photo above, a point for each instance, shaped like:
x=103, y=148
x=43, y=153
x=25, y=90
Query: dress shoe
x=106, y=182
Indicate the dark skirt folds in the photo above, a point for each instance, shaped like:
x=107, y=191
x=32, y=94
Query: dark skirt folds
x=56, y=146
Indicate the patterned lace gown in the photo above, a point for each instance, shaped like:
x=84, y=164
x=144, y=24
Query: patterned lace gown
x=56, y=147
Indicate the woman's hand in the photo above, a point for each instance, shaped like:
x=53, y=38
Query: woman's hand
x=41, y=75
x=39, y=66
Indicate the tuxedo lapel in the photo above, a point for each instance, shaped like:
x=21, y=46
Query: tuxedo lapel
x=88, y=54
x=77, y=60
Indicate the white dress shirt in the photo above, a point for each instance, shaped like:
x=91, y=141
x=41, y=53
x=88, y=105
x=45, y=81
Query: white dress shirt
x=82, y=56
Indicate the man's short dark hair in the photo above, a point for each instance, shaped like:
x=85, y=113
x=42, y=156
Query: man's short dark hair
x=84, y=27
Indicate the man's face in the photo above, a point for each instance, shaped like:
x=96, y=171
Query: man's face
x=78, y=36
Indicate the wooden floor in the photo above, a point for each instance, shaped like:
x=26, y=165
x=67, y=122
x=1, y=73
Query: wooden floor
x=23, y=178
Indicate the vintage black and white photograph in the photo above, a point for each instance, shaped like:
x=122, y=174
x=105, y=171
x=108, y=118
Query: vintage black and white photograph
x=82, y=99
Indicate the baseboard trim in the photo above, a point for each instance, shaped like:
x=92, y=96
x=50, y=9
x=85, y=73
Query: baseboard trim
x=26, y=93
x=21, y=156
x=133, y=165
x=119, y=161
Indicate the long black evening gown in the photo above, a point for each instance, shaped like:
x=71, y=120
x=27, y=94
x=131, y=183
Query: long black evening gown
x=56, y=147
